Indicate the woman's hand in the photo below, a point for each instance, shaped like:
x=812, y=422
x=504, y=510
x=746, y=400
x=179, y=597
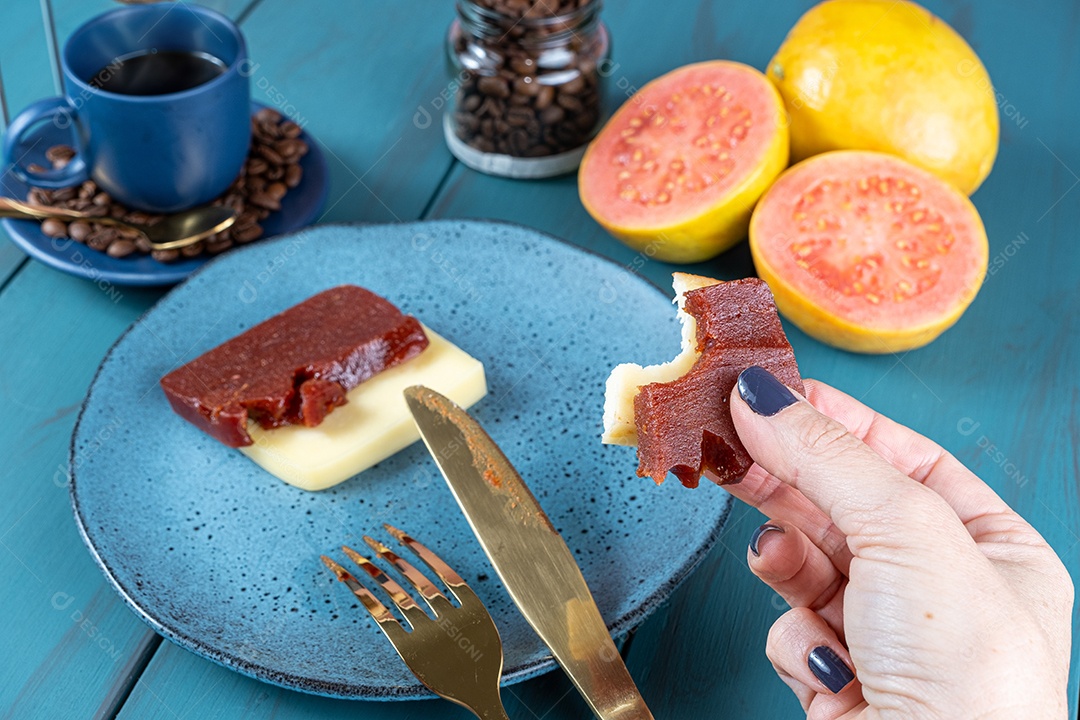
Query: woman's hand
x=901, y=567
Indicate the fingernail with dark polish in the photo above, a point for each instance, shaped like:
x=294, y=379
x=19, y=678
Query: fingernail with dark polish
x=829, y=668
x=763, y=392
x=767, y=527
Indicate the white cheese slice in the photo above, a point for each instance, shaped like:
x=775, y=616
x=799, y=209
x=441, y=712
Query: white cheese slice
x=626, y=379
x=373, y=425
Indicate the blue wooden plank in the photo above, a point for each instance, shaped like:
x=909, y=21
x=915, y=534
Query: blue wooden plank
x=11, y=258
x=179, y=684
x=24, y=62
x=354, y=75
x=72, y=631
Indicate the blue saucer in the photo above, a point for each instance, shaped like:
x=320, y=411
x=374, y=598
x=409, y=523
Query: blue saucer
x=299, y=208
x=223, y=559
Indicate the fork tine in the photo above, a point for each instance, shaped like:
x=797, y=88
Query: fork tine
x=457, y=656
x=379, y=612
x=413, y=613
x=417, y=579
x=433, y=561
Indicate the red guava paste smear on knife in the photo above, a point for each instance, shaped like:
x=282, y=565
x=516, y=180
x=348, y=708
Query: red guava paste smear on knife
x=296, y=367
x=684, y=426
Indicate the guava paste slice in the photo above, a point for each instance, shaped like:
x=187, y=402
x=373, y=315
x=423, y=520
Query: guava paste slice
x=294, y=368
x=685, y=426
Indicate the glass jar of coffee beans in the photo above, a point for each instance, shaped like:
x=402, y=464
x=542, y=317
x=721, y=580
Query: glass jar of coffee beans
x=526, y=84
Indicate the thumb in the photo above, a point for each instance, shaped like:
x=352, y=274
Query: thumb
x=864, y=495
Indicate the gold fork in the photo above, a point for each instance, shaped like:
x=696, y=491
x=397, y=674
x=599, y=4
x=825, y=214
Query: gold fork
x=458, y=654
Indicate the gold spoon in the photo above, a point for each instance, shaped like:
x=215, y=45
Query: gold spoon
x=170, y=233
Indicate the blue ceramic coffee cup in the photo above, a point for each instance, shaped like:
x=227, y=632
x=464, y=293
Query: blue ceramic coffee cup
x=155, y=152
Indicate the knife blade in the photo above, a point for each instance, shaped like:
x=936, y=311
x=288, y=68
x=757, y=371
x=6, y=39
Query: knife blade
x=529, y=555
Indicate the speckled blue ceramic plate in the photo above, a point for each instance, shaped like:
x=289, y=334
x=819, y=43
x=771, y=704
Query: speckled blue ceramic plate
x=223, y=559
x=299, y=208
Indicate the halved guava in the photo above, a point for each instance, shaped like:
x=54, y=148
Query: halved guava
x=676, y=171
x=867, y=252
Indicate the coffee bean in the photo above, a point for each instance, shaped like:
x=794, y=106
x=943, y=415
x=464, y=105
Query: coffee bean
x=269, y=154
x=534, y=128
x=544, y=97
x=60, y=155
x=552, y=115
x=218, y=243
x=293, y=175
x=268, y=115
x=290, y=129
x=121, y=248
x=523, y=65
x=78, y=230
x=567, y=134
x=292, y=149
x=256, y=166
x=277, y=190
x=586, y=121
x=526, y=86
x=165, y=256
x=519, y=142
x=469, y=123
x=569, y=102
x=61, y=163
x=573, y=87
x=286, y=149
x=490, y=108
x=247, y=234
x=101, y=239
x=519, y=116
x=493, y=86
x=265, y=200
x=102, y=199
x=54, y=228
x=265, y=136
x=36, y=169
x=250, y=216
x=190, y=251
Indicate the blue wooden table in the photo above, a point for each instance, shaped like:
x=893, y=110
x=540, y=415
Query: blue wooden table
x=1000, y=390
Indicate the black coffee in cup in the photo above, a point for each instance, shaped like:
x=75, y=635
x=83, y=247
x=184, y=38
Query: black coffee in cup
x=157, y=72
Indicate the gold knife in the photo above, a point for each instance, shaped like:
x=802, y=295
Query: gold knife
x=530, y=556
